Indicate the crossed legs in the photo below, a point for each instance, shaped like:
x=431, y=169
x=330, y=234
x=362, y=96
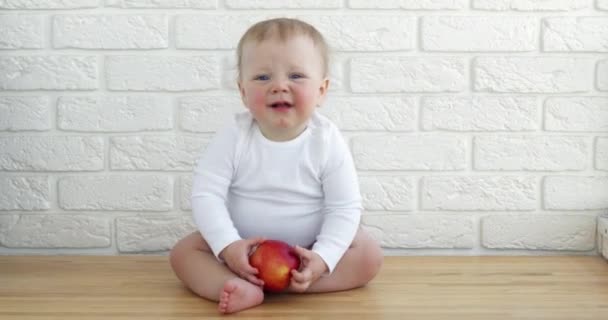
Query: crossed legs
x=200, y=271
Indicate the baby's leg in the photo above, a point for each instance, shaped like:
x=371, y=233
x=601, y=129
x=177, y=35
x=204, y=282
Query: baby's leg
x=358, y=266
x=196, y=266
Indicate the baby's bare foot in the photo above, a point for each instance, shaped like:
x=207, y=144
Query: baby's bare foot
x=239, y=294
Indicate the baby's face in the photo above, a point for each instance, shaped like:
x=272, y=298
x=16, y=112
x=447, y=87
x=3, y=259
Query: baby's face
x=281, y=83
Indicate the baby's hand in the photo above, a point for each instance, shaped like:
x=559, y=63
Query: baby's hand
x=236, y=256
x=311, y=269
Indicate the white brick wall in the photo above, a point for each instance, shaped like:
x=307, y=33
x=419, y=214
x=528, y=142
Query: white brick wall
x=99, y=31
x=477, y=126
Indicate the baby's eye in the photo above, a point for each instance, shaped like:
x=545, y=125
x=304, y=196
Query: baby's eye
x=296, y=76
x=261, y=77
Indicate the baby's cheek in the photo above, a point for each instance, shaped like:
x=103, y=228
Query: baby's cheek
x=258, y=99
x=305, y=97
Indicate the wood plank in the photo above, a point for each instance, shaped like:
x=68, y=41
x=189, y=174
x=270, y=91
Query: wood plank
x=144, y=287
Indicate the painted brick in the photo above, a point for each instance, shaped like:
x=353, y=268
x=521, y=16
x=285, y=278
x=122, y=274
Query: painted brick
x=279, y=4
x=24, y=113
x=336, y=74
x=48, y=4
x=388, y=193
x=151, y=233
x=601, y=153
x=55, y=231
x=576, y=114
x=114, y=113
x=489, y=33
x=532, y=74
x=171, y=153
x=408, y=4
x=208, y=113
x=602, y=75
x=491, y=193
x=409, y=152
x=212, y=31
x=421, y=231
x=48, y=72
x=378, y=113
x=149, y=73
x=230, y=73
x=51, y=153
x=177, y=4
x=116, y=192
x=531, y=153
x=21, y=31
x=407, y=74
x=185, y=191
x=575, y=192
x=371, y=33
x=366, y=32
x=24, y=193
x=452, y=113
x=579, y=34
x=110, y=31
x=539, y=232
x=530, y=5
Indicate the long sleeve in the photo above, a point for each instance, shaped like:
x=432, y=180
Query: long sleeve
x=342, y=203
x=210, y=184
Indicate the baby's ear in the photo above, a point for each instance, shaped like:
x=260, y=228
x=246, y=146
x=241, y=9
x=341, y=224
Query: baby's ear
x=324, y=87
x=323, y=91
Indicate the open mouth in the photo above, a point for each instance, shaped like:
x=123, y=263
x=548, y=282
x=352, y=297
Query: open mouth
x=281, y=105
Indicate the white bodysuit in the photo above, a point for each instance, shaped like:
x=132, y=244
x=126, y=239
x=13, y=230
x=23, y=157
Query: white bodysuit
x=303, y=191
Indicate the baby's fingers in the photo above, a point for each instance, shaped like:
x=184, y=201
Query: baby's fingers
x=245, y=273
x=305, y=254
x=298, y=286
x=251, y=270
x=246, y=267
x=253, y=279
x=301, y=276
x=254, y=242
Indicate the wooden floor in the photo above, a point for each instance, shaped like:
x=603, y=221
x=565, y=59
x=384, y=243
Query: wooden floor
x=144, y=287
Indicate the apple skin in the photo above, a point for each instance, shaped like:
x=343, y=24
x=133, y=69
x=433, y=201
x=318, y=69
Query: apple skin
x=274, y=260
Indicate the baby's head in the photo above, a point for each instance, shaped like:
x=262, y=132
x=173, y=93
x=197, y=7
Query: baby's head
x=282, y=29
x=282, y=65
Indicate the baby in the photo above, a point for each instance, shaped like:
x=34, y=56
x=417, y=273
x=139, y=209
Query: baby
x=278, y=171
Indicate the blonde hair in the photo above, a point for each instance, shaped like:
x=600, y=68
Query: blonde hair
x=283, y=29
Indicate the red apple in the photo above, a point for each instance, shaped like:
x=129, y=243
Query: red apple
x=274, y=260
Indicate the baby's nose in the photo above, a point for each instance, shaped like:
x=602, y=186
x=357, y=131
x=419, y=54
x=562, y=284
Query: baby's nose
x=279, y=86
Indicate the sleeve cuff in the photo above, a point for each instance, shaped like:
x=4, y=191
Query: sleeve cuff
x=331, y=260
x=220, y=244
